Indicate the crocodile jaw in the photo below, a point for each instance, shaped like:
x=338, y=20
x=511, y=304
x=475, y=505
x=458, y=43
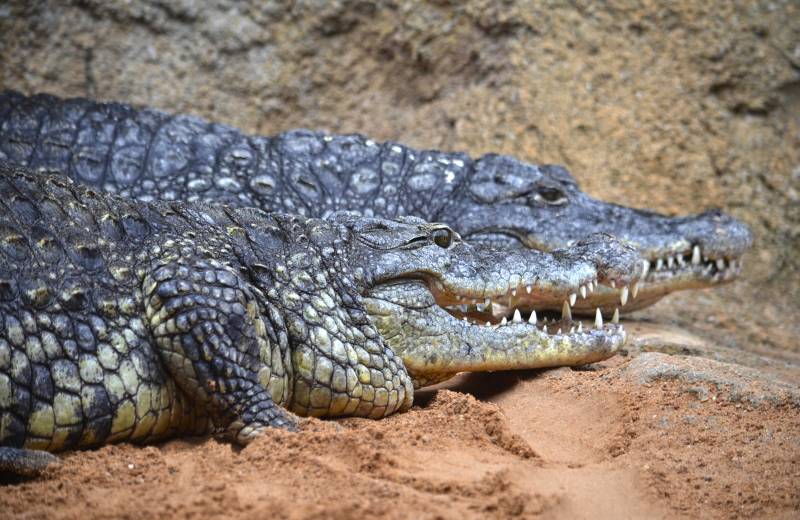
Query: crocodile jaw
x=435, y=343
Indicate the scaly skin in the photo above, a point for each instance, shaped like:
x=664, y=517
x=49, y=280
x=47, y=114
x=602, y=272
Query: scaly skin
x=148, y=155
x=123, y=320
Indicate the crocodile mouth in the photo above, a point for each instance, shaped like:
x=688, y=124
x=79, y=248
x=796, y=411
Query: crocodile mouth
x=714, y=268
x=537, y=305
x=529, y=309
x=663, y=273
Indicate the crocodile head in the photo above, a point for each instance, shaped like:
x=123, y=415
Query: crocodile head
x=445, y=306
x=511, y=204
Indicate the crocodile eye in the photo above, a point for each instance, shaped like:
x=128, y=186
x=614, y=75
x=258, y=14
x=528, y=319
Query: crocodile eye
x=551, y=195
x=442, y=237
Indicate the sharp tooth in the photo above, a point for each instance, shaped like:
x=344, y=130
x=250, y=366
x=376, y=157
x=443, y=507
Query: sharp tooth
x=544, y=329
x=488, y=323
x=598, y=319
x=503, y=321
x=479, y=307
x=635, y=289
x=580, y=326
x=573, y=298
x=487, y=302
x=583, y=291
x=572, y=330
x=528, y=289
x=517, y=315
x=463, y=308
x=696, y=255
x=513, y=292
x=615, y=318
x=670, y=262
x=613, y=284
x=590, y=285
x=532, y=318
x=659, y=264
x=645, y=268
x=720, y=264
x=681, y=261
x=559, y=331
x=566, y=312
x=623, y=295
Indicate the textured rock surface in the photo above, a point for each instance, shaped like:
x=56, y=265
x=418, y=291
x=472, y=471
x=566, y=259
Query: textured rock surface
x=695, y=374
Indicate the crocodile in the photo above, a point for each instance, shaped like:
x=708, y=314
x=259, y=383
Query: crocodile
x=495, y=199
x=126, y=320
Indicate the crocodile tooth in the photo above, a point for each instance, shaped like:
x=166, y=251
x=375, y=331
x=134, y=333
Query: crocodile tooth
x=696, y=255
x=463, y=308
x=598, y=319
x=645, y=268
x=488, y=323
x=623, y=295
x=615, y=318
x=659, y=264
x=532, y=318
x=681, y=261
x=503, y=321
x=517, y=316
x=720, y=264
x=514, y=292
x=566, y=312
x=580, y=327
x=544, y=329
x=572, y=330
x=583, y=291
x=528, y=289
x=590, y=286
x=613, y=284
x=487, y=302
x=635, y=289
x=670, y=262
x=479, y=307
x=573, y=298
x=559, y=331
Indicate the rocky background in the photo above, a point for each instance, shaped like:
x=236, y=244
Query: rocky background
x=674, y=106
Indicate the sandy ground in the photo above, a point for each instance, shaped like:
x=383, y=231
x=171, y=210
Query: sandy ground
x=677, y=107
x=554, y=444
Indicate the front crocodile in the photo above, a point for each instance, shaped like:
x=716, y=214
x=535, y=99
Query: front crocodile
x=124, y=320
x=148, y=154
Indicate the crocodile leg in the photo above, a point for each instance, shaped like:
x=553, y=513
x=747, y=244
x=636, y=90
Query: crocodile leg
x=21, y=462
x=210, y=334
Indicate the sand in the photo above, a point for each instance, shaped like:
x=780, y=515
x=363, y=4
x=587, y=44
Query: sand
x=675, y=107
x=555, y=444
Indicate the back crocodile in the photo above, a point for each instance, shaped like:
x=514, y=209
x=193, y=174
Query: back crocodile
x=124, y=320
x=496, y=199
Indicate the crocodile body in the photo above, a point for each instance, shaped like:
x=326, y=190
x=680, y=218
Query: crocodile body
x=147, y=154
x=124, y=320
